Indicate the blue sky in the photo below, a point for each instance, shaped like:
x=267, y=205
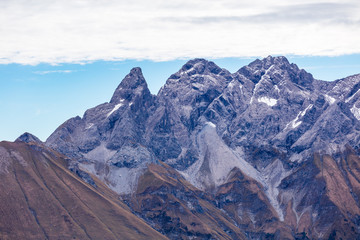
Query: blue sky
x=39, y=98
x=59, y=58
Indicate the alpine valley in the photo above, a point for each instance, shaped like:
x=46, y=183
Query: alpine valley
x=267, y=152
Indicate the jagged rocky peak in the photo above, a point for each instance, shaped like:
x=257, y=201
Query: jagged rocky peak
x=277, y=68
x=277, y=60
x=133, y=84
x=197, y=75
x=199, y=66
x=269, y=61
x=28, y=137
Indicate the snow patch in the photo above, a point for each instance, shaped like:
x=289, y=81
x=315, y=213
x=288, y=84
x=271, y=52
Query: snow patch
x=189, y=70
x=90, y=125
x=295, y=123
x=211, y=124
x=352, y=96
x=259, y=83
x=116, y=107
x=277, y=88
x=356, y=112
x=241, y=89
x=269, y=101
x=329, y=99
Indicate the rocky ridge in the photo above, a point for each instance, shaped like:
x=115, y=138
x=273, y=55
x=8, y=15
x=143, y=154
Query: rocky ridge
x=270, y=126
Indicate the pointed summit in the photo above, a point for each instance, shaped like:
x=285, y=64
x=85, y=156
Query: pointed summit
x=133, y=83
x=134, y=79
x=28, y=137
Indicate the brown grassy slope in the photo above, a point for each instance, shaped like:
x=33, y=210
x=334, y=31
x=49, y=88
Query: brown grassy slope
x=41, y=199
x=179, y=210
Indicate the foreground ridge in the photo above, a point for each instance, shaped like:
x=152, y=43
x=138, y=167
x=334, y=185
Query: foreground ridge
x=42, y=199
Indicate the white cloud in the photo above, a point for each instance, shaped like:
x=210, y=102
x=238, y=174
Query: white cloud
x=86, y=30
x=53, y=71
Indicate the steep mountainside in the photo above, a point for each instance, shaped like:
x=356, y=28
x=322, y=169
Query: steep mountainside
x=41, y=199
x=269, y=145
x=179, y=210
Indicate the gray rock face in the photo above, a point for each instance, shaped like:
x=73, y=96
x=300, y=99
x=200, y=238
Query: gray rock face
x=267, y=120
x=180, y=104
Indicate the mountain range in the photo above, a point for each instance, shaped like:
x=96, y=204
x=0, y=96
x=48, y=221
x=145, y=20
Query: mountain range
x=267, y=152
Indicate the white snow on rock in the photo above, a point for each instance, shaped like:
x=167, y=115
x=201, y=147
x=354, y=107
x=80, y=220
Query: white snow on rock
x=269, y=101
x=329, y=99
x=116, y=107
x=356, y=112
x=295, y=123
x=241, y=89
x=277, y=88
x=90, y=125
x=211, y=124
x=352, y=96
x=257, y=85
x=189, y=70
